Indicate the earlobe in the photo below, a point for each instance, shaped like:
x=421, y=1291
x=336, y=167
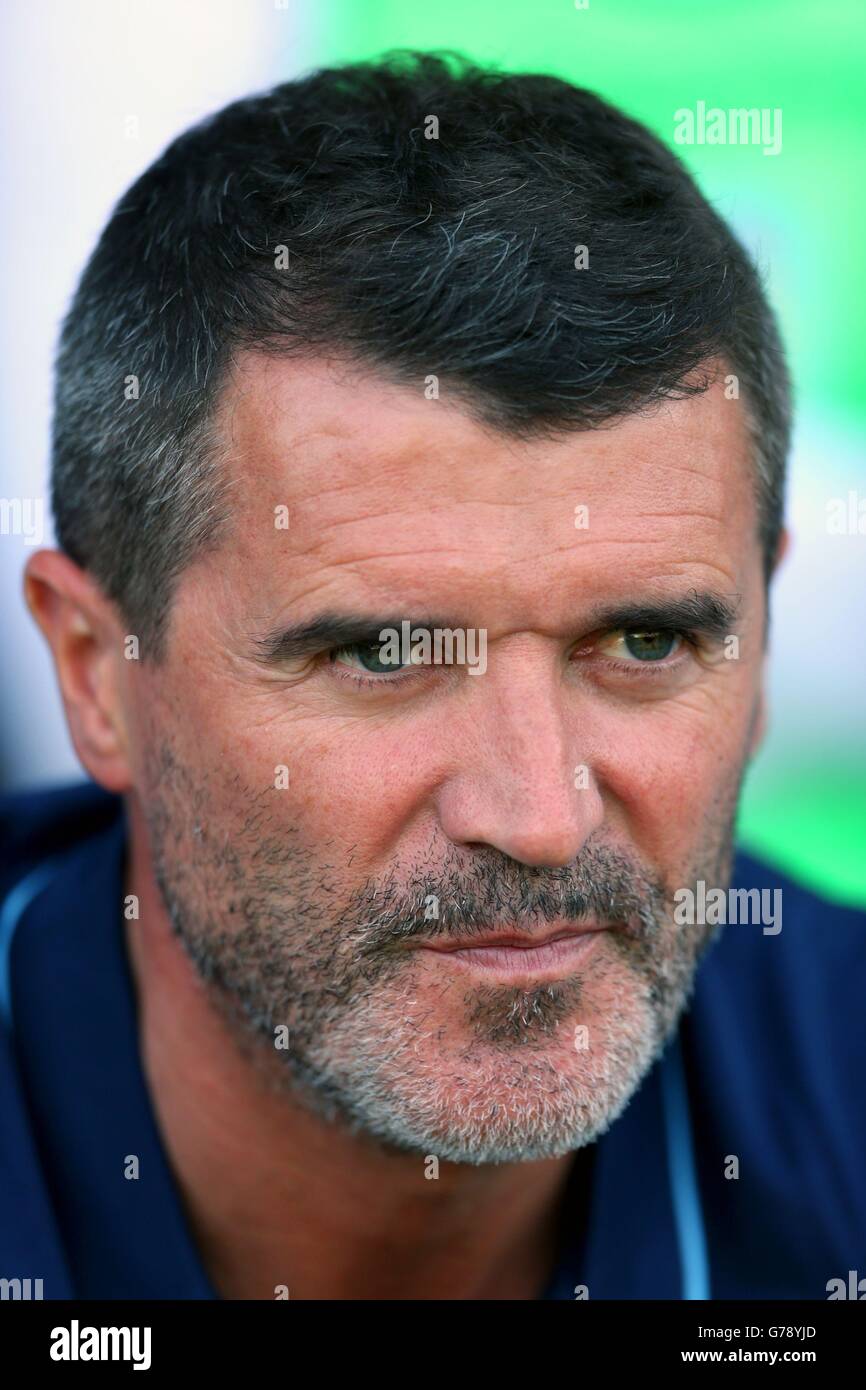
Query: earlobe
x=78, y=624
x=759, y=723
x=782, y=548
x=759, y=726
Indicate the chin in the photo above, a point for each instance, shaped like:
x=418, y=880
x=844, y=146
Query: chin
x=492, y=1105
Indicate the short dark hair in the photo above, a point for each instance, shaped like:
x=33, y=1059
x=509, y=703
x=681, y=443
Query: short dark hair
x=419, y=255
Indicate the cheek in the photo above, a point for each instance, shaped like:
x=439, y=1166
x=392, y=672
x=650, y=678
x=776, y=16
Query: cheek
x=668, y=776
x=253, y=756
x=358, y=784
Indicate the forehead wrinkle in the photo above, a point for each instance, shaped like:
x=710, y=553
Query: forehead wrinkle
x=421, y=463
x=496, y=597
x=366, y=475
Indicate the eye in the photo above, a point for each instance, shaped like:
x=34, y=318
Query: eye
x=366, y=657
x=631, y=647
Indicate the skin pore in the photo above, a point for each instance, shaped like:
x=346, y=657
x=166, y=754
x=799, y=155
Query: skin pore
x=303, y=830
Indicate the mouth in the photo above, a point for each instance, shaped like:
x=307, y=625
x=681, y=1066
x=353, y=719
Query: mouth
x=512, y=954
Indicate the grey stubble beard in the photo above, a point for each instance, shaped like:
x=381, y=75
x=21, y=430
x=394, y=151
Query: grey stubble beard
x=281, y=944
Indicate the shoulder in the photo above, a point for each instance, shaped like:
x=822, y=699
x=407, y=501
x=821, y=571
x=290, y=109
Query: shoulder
x=774, y=1046
x=793, y=959
x=794, y=938
x=39, y=832
x=38, y=826
x=43, y=836
x=778, y=1002
x=29, y=1242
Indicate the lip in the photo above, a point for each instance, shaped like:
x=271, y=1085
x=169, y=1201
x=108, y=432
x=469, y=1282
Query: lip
x=508, y=953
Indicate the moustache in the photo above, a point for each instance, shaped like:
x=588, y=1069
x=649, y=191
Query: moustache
x=602, y=889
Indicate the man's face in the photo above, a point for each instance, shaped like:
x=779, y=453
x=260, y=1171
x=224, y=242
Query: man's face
x=326, y=829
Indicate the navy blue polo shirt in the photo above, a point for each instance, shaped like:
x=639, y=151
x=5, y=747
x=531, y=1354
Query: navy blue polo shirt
x=737, y=1170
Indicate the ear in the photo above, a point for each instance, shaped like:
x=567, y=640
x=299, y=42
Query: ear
x=782, y=548
x=87, y=643
x=759, y=727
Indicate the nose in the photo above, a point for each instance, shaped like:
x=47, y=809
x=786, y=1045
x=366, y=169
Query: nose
x=520, y=786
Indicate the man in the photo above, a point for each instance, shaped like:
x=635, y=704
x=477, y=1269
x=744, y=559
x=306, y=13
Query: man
x=418, y=474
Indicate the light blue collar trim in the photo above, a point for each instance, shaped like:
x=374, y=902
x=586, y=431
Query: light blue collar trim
x=682, y=1171
x=13, y=909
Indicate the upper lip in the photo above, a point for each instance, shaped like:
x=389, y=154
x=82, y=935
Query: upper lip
x=524, y=940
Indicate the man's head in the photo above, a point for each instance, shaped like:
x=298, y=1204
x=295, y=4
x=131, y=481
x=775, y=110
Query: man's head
x=324, y=375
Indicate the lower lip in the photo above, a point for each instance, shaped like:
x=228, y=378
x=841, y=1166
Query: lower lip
x=554, y=957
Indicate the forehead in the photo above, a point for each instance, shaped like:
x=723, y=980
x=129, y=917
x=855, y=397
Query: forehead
x=393, y=497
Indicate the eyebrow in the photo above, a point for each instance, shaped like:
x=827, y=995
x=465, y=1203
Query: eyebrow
x=709, y=613
x=333, y=630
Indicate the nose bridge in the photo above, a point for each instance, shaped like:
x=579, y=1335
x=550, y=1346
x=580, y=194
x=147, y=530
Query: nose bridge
x=519, y=784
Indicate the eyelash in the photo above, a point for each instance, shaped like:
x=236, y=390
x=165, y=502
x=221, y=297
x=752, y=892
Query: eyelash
x=355, y=678
x=631, y=669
